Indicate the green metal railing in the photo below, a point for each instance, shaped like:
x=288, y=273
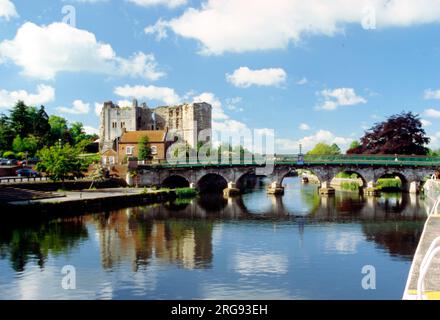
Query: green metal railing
x=299, y=160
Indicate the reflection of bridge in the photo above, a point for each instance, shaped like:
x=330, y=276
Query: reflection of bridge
x=232, y=174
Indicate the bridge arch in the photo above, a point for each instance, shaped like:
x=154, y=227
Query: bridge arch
x=352, y=174
x=395, y=174
x=212, y=183
x=175, y=181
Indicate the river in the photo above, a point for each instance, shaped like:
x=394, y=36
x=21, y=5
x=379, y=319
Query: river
x=256, y=246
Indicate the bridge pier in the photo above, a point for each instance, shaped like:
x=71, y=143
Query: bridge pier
x=275, y=188
x=371, y=189
x=231, y=190
x=414, y=187
x=326, y=188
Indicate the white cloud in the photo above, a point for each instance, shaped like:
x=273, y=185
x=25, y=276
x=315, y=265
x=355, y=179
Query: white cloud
x=98, y=108
x=7, y=9
x=263, y=26
x=78, y=107
x=304, y=126
x=91, y=130
x=308, y=142
x=302, y=81
x=167, y=3
x=244, y=77
x=426, y=123
x=43, y=95
x=44, y=51
x=339, y=97
x=164, y=94
x=432, y=113
x=432, y=94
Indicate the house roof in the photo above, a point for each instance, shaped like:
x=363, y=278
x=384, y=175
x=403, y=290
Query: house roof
x=136, y=136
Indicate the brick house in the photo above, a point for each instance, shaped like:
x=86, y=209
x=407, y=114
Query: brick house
x=128, y=145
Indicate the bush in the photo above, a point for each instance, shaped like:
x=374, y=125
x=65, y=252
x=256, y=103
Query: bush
x=351, y=186
x=389, y=184
x=186, y=192
x=9, y=154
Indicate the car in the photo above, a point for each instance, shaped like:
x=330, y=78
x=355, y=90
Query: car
x=12, y=162
x=27, y=173
x=3, y=162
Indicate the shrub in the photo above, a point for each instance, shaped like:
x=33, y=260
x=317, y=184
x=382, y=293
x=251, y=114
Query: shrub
x=390, y=184
x=186, y=192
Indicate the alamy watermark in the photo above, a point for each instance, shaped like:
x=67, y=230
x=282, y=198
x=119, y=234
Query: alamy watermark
x=369, y=279
x=68, y=282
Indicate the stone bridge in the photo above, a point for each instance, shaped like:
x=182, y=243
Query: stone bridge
x=234, y=177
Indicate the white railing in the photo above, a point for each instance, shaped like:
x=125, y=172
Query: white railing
x=432, y=251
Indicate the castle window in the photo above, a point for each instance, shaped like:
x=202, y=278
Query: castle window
x=154, y=150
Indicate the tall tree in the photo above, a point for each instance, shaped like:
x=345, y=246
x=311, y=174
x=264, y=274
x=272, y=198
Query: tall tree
x=21, y=119
x=6, y=133
x=77, y=132
x=144, y=149
x=41, y=126
x=399, y=134
x=58, y=128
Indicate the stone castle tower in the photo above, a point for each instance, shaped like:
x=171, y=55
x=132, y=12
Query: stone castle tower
x=185, y=121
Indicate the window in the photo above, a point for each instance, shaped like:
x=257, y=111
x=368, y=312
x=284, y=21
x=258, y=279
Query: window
x=104, y=161
x=129, y=150
x=154, y=150
x=111, y=160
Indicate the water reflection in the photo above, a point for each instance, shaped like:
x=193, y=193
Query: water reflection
x=249, y=245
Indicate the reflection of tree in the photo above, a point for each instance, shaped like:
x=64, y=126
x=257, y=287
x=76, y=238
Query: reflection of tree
x=55, y=238
x=400, y=238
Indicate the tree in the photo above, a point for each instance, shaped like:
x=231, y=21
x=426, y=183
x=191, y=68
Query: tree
x=355, y=144
x=6, y=133
x=28, y=144
x=21, y=119
x=41, y=126
x=399, y=134
x=325, y=149
x=77, y=132
x=144, y=149
x=58, y=129
x=61, y=161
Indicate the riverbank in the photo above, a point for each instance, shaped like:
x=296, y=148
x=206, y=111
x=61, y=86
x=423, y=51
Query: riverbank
x=68, y=203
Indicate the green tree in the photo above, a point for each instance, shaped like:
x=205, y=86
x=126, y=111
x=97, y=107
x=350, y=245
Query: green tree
x=58, y=129
x=28, y=144
x=61, y=161
x=355, y=144
x=144, y=149
x=6, y=133
x=325, y=149
x=77, y=132
x=41, y=126
x=21, y=120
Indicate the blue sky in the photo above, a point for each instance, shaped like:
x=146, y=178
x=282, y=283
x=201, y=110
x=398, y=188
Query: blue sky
x=312, y=71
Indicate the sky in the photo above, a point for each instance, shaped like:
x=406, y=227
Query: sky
x=312, y=71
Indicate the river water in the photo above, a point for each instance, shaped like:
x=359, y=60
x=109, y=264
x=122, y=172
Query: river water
x=257, y=246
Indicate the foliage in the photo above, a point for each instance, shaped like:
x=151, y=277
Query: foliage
x=58, y=129
x=186, y=192
x=9, y=155
x=351, y=186
x=355, y=144
x=28, y=144
x=390, y=184
x=399, y=134
x=325, y=149
x=144, y=149
x=60, y=162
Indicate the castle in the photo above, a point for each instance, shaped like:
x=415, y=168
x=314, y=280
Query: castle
x=185, y=121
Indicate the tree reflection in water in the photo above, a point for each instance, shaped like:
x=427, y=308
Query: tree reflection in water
x=181, y=232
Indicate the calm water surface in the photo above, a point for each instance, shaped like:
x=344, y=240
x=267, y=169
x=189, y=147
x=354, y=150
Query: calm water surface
x=299, y=246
